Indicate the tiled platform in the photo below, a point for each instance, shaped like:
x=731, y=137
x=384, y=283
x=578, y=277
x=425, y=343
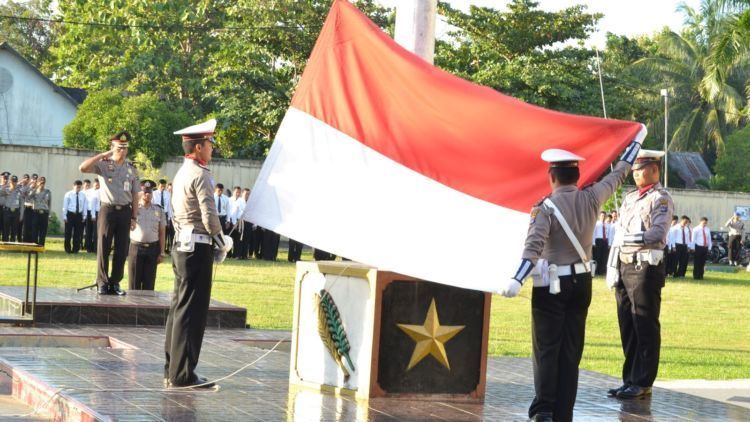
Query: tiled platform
x=138, y=308
x=125, y=384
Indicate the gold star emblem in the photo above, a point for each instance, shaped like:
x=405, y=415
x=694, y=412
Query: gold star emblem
x=430, y=338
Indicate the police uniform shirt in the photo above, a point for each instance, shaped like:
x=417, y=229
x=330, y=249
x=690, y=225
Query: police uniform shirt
x=736, y=228
x=163, y=199
x=702, y=236
x=41, y=201
x=25, y=192
x=3, y=195
x=193, y=199
x=12, y=197
x=92, y=200
x=546, y=237
x=649, y=212
x=117, y=183
x=148, y=223
x=74, y=202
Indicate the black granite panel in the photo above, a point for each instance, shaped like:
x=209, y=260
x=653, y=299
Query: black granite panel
x=214, y=319
x=42, y=314
x=122, y=316
x=94, y=315
x=151, y=316
x=233, y=319
x=65, y=314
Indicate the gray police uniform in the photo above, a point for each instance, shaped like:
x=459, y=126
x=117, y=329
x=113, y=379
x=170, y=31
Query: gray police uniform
x=736, y=230
x=642, y=274
x=117, y=185
x=559, y=319
x=13, y=202
x=41, y=204
x=145, y=247
x=3, y=197
x=26, y=214
x=196, y=220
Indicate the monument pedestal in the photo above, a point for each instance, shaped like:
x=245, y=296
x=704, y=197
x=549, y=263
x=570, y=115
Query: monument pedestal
x=407, y=337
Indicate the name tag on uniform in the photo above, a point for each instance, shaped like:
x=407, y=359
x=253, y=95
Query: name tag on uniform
x=126, y=185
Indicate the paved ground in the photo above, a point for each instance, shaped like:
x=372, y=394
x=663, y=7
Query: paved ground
x=125, y=384
x=733, y=391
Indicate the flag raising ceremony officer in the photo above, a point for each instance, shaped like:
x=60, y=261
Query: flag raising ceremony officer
x=636, y=270
x=198, y=242
x=558, y=249
x=118, y=212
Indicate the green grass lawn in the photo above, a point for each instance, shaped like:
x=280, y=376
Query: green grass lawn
x=705, y=329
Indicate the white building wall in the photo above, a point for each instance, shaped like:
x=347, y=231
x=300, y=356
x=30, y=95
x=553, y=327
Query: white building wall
x=31, y=112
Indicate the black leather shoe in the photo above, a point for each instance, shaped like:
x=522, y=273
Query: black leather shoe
x=634, y=392
x=542, y=417
x=200, y=383
x=102, y=290
x=613, y=392
x=114, y=289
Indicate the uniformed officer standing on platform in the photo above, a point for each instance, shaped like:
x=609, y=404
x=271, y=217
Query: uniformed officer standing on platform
x=636, y=270
x=118, y=181
x=197, y=233
x=12, y=197
x=558, y=248
x=42, y=200
x=146, y=241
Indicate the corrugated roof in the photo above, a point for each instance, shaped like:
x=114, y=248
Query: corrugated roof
x=691, y=167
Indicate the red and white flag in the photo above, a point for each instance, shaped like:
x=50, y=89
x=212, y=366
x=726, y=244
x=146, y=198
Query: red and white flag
x=390, y=161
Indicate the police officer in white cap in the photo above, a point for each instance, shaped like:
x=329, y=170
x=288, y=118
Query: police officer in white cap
x=558, y=249
x=636, y=270
x=199, y=242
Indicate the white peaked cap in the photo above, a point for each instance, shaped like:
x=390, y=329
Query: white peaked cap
x=649, y=153
x=207, y=127
x=560, y=156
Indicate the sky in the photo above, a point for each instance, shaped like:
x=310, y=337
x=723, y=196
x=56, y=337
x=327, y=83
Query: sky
x=623, y=17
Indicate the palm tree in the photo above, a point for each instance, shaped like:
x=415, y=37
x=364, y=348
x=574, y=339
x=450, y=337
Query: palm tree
x=709, y=98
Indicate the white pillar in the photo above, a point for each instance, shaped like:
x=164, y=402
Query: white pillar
x=415, y=27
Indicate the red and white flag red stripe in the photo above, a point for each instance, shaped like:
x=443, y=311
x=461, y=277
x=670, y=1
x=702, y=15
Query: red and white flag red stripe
x=390, y=161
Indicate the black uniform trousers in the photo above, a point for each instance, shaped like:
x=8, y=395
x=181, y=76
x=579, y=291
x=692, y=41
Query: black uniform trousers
x=73, y=232
x=10, y=224
x=39, y=223
x=321, y=255
x=237, y=248
x=699, y=261
x=638, y=297
x=601, y=249
x=682, y=260
x=670, y=258
x=2, y=221
x=90, y=232
x=270, y=247
x=169, y=236
x=28, y=216
x=188, y=312
x=256, y=243
x=142, y=263
x=557, y=337
x=295, y=251
x=113, y=226
x=735, y=243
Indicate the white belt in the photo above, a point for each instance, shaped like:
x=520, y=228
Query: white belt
x=563, y=270
x=201, y=238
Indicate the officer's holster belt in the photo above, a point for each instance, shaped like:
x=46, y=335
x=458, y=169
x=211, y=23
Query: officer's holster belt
x=117, y=207
x=648, y=256
x=579, y=268
x=144, y=245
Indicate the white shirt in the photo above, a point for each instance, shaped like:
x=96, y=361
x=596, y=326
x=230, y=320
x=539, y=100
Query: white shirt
x=702, y=236
x=69, y=202
x=92, y=200
x=157, y=195
x=611, y=233
x=223, y=210
x=672, y=234
x=601, y=230
x=236, y=206
x=686, y=233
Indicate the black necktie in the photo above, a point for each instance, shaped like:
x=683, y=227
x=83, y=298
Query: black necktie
x=162, y=199
x=219, y=198
x=76, y=202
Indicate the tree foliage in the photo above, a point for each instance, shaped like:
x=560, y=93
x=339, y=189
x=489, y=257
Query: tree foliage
x=149, y=120
x=732, y=166
x=31, y=38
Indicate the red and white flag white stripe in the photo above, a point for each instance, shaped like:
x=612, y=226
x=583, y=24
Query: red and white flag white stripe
x=390, y=161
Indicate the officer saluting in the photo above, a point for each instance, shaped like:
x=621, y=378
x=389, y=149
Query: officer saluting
x=146, y=241
x=558, y=248
x=118, y=181
x=197, y=227
x=636, y=270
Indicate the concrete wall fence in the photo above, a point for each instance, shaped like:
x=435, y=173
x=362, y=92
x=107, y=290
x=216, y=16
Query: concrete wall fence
x=60, y=167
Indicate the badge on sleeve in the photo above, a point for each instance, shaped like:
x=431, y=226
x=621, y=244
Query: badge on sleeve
x=663, y=205
x=534, y=213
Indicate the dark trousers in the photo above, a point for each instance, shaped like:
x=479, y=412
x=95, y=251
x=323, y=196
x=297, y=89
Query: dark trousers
x=2, y=221
x=169, y=236
x=73, y=232
x=321, y=255
x=270, y=248
x=735, y=243
x=90, y=233
x=10, y=224
x=237, y=249
x=188, y=312
x=295, y=251
x=670, y=258
x=142, y=263
x=256, y=242
x=39, y=223
x=601, y=249
x=26, y=230
x=113, y=226
x=699, y=261
x=682, y=260
x=638, y=297
x=557, y=336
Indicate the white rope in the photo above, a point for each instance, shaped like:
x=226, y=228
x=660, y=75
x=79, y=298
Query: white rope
x=604, y=106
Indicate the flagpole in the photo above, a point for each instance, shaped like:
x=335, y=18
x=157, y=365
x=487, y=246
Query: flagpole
x=415, y=27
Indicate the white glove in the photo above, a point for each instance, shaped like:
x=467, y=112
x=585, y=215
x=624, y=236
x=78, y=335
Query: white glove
x=219, y=256
x=510, y=287
x=223, y=242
